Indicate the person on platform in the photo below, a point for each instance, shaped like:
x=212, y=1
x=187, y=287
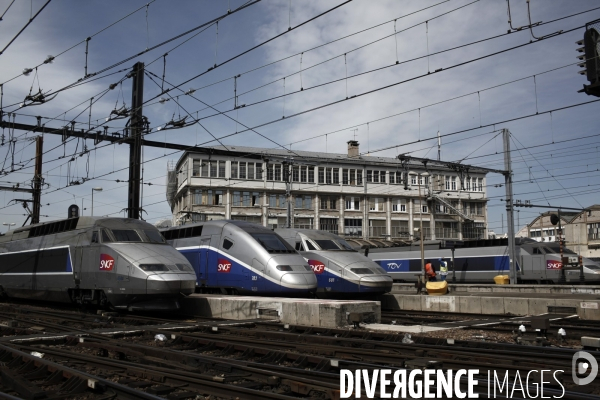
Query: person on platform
x=429, y=271
x=443, y=269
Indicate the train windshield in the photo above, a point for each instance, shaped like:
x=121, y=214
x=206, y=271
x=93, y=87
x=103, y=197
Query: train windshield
x=273, y=243
x=362, y=271
x=556, y=249
x=126, y=235
x=327, y=244
x=154, y=236
x=345, y=245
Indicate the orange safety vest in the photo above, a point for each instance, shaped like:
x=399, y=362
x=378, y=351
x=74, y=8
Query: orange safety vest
x=429, y=270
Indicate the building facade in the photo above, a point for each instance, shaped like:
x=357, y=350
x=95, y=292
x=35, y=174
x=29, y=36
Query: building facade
x=581, y=230
x=541, y=228
x=346, y=194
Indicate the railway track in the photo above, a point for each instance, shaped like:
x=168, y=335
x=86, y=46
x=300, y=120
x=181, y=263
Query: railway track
x=226, y=359
x=575, y=327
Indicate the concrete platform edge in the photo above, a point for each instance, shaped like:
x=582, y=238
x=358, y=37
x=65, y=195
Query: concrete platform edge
x=481, y=304
x=307, y=312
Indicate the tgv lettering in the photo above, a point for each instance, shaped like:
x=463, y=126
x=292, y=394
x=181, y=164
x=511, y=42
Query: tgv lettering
x=394, y=265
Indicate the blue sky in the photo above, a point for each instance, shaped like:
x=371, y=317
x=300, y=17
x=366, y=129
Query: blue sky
x=553, y=161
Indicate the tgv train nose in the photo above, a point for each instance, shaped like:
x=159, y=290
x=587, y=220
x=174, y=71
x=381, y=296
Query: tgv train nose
x=299, y=281
x=377, y=281
x=169, y=283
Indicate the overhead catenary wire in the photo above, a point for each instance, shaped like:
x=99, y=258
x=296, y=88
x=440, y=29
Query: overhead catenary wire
x=257, y=46
x=25, y=27
x=378, y=69
x=155, y=46
x=82, y=41
x=6, y=10
x=191, y=147
x=364, y=30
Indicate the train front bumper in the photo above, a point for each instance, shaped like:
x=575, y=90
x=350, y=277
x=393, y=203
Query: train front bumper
x=171, y=283
x=300, y=281
x=376, y=283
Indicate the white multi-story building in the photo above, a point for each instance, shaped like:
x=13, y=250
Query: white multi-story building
x=347, y=194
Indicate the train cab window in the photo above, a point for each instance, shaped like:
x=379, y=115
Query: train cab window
x=154, y=236
x=309, y=246
x=105, y=237
x=345, y=245
x=537, y=250
x=556, y=249
x=362, y=271
x=327, y=245
x=94, y=237
x=298, y=246
x=227, y=244
x=126, y=235
x=273, y=243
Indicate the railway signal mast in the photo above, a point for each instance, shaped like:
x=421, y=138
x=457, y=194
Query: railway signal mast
x=589, y=58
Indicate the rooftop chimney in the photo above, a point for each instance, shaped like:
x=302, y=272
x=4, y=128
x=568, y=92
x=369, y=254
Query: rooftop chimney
x=352, y=148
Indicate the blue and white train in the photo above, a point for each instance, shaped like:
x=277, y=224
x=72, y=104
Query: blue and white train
x=480, y=261
x=341, y=271
x=237, y=257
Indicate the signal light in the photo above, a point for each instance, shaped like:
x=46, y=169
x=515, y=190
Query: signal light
x=589, y=58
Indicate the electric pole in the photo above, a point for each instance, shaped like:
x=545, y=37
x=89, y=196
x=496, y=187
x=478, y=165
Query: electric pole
x=509, y=208
x=136, y=126
x=37, y=180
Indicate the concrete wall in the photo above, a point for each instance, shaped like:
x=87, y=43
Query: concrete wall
x=409, y=288
x=496, y=305
x=308, y=312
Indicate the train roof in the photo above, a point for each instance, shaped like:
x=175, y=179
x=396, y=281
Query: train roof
x=212, y=227
x=436, y=244
x=310, y=233
x=72, y=224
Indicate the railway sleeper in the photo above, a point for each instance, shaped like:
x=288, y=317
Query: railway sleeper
x=182, y=395
x=248, y=353
x=74, y=385
x=40, y=372
x=22, y=386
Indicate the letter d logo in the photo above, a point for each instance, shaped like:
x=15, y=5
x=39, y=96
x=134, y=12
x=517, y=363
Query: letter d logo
x=578, y=366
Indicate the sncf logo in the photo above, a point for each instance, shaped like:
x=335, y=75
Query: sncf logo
x=106, y=262
x=223, y=265
x=317, y=266
x=553, y=264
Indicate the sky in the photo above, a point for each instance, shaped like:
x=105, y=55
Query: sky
x=390, y=73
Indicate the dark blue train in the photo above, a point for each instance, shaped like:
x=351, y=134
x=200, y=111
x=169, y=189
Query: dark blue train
x=237, y=257
x=341, y=271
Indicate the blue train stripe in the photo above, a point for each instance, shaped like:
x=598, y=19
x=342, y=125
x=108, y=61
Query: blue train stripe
x=238, y=273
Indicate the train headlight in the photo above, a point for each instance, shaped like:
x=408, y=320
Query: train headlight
x=153, y=267
x=285, y=268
